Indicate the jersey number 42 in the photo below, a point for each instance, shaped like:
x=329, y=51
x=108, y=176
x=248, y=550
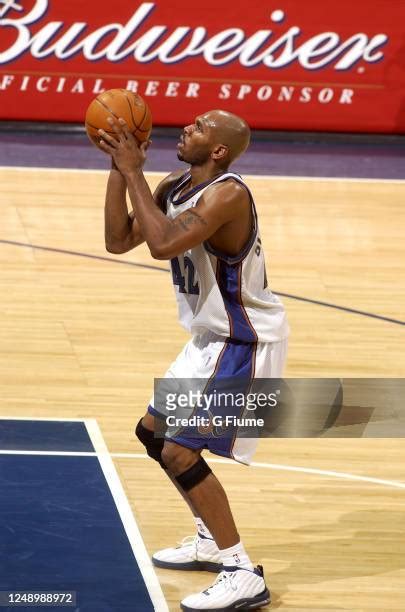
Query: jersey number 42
x=184, y=278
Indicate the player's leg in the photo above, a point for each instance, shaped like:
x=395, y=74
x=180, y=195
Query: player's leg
x=145, y=432
x=240, y=584
x=198, y=552
x=195, y=478
x=197, y=360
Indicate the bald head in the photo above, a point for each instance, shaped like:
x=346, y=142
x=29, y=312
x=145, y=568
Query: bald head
x=229, y=130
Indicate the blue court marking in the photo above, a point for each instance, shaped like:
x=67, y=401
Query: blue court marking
x=63, y=436
x=159, y=269
x=60, y=529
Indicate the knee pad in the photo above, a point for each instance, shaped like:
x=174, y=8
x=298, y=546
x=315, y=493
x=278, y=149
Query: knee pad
x=153, y=446
x=194, y=475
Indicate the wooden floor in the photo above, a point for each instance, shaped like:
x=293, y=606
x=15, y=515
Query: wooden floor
x=84, y=337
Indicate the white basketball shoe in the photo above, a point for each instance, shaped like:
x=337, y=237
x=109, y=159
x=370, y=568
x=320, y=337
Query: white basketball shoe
x=233, y=591
x=194, y=553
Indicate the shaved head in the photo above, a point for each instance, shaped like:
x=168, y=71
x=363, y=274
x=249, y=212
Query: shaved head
x=216, y=137
x=229, y=130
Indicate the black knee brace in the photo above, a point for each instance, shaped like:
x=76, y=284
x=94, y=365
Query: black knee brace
x=154, y=446
x=194, y=475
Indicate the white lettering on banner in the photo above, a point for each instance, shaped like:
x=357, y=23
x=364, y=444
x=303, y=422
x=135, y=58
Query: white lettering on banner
x=171, y=90
x=346, y=97
x=306, y=94
x=281, y=94
x=264, y=92
x=132, y=86
x=98, y=87
x=192, y=90
x=286, y=93
x=6, y=81
x=61, y=85
x=9, y=4
x=43, y=83
x=158, y=43
x=78, y=87
x=244, y=90
x=152, y=88
x=24, y=83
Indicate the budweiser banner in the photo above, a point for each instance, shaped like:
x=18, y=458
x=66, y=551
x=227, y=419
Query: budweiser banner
x=281, y=64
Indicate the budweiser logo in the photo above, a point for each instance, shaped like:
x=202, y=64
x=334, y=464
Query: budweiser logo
x=143, y=39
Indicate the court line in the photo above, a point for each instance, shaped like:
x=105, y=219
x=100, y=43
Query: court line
x=270, y=466
x=127, y=517
x=286, y=468
x=45, y=453
x=343, y=308
x=23, y=418
x=126, y=262
x=268, y=177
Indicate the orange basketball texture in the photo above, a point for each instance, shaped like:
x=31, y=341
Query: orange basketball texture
x=118, y=103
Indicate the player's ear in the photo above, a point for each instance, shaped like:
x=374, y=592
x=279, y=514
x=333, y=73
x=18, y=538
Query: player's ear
x=220, y=152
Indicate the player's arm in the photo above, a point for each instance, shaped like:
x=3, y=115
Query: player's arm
x=122, y=230
x=121, y=234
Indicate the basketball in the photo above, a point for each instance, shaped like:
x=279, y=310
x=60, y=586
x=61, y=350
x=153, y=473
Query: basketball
x=118, y=103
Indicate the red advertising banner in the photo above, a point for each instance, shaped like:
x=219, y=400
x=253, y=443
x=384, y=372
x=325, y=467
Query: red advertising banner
x=281, y=64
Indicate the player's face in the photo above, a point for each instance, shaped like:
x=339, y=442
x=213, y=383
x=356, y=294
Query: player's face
x=195, y=144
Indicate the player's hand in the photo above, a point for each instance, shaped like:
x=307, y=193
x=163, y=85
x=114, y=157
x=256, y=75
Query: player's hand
x=123, y=147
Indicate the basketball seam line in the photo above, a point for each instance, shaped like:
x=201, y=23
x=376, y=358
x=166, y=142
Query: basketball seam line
x=96, y=128
x=107, y=107
x=139, y=129
x=132, y=114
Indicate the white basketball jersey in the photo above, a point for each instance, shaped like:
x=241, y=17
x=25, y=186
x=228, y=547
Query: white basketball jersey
x=227, y=295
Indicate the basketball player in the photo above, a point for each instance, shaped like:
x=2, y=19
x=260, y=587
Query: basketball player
x=204, y=221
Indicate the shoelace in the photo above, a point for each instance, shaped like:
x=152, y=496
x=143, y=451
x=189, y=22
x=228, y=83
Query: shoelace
x=224, y=581
x=188, y=541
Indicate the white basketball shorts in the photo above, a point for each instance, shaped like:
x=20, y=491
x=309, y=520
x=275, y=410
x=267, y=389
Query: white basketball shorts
x=212, y=357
